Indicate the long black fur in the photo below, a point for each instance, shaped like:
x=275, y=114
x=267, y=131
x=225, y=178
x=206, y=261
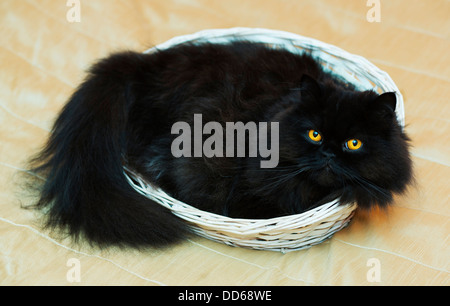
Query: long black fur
x=85, y=191
x=122, y=115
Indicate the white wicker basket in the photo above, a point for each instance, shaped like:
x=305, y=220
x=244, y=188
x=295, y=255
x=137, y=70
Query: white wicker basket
x=292, y=232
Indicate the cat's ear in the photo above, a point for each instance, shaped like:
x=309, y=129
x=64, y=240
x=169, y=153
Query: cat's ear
x=386, y=101
x=309, y=86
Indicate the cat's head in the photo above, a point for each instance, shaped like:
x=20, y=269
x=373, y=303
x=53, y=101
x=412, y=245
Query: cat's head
x=346, y=140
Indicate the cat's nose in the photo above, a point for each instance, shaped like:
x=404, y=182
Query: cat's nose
x=328, y=154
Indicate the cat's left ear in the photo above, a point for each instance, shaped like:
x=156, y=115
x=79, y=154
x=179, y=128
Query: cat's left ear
x=386, y=101
x=309, y=87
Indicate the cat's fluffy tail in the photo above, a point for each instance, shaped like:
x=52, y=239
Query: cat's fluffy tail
x=85, y=191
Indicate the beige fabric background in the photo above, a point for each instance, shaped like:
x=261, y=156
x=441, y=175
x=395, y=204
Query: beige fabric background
x=43, y=57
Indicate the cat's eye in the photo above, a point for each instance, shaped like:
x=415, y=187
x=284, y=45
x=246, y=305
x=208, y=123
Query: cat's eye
x=353, y=144
x=315, y=136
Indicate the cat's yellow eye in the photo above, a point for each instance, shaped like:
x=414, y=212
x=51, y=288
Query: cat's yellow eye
x=314, y=136
x=353, y=144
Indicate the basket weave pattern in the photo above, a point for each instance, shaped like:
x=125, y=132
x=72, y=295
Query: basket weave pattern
x=286, y=233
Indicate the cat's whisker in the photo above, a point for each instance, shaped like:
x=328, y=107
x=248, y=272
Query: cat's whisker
x=284, y=177
x=366, y=184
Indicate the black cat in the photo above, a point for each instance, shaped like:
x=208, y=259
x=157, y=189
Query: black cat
x=331, y=141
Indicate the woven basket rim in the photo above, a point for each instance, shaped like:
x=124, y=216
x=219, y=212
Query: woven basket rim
x=147, y=189
x=279, y=233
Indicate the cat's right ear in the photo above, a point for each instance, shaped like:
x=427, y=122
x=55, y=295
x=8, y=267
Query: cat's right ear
x=387, y=100
x=309, y=87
